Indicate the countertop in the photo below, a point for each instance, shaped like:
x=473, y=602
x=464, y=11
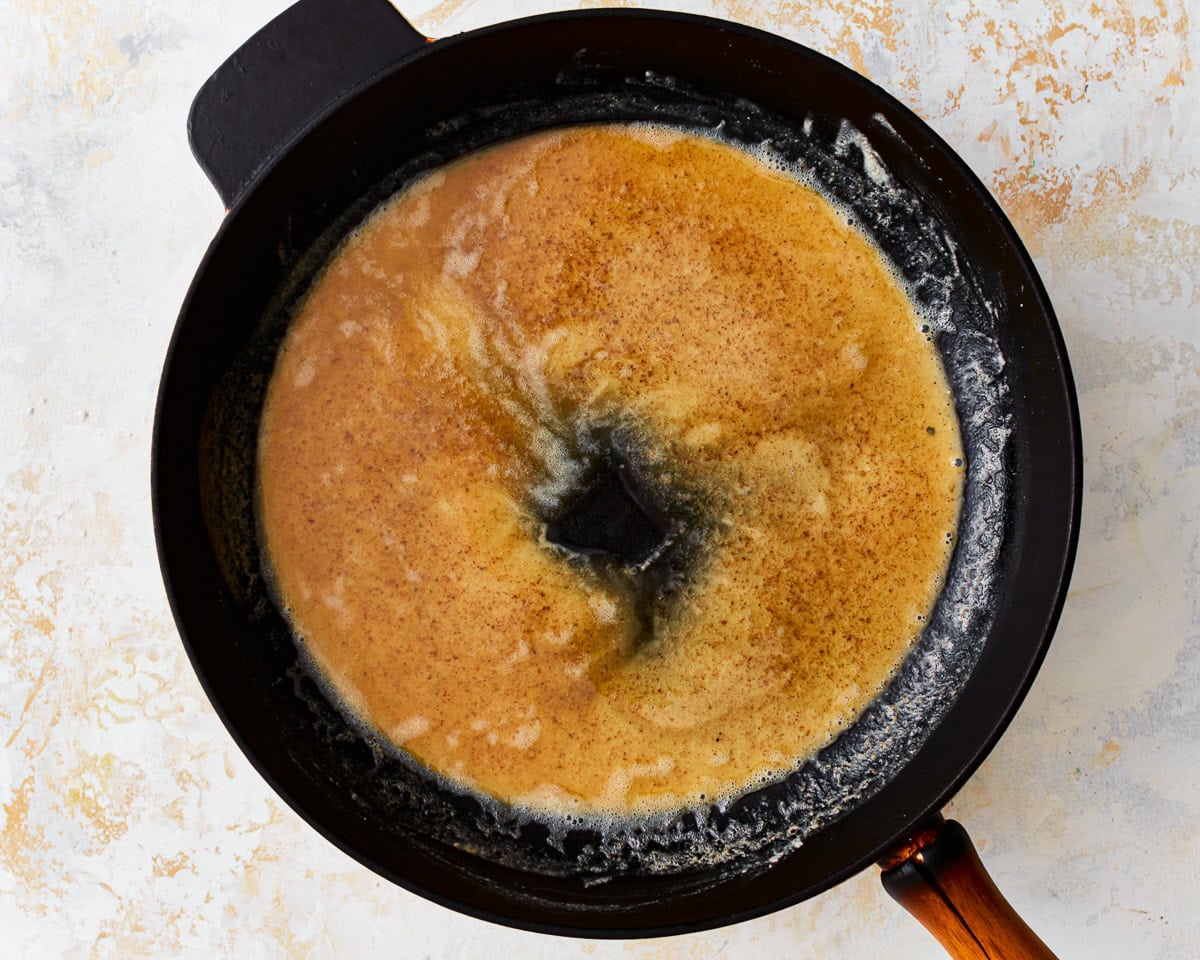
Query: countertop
x=133, y=826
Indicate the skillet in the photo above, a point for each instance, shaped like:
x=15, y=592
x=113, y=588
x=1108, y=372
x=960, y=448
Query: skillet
x=334, y=106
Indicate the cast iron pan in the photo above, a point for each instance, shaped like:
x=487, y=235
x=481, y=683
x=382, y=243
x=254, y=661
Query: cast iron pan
x=334, y=106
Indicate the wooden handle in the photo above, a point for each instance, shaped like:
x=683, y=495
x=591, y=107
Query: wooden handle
x=937, y=876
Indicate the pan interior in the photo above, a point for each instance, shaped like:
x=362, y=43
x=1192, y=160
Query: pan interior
x=750, y=832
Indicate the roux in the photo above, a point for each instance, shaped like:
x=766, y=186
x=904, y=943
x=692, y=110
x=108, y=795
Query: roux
x=473, y=351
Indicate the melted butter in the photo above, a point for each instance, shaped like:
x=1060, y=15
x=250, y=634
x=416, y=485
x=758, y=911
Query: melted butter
x=432, y=405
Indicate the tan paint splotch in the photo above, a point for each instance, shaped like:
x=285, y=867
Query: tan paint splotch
x=1107, y=755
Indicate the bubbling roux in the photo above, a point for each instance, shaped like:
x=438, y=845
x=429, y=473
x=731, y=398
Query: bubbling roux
x=653, y=333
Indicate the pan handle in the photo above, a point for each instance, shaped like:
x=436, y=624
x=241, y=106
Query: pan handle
x=937, y=876
x=286, y=76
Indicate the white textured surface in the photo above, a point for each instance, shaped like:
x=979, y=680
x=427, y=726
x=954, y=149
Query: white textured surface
x=131, y=824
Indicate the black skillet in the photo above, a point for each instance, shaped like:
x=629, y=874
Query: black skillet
x=333, y=106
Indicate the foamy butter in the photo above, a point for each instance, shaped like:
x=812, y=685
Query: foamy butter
x=525, y=312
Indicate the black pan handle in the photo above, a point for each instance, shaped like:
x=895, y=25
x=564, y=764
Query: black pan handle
x=284, y=77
